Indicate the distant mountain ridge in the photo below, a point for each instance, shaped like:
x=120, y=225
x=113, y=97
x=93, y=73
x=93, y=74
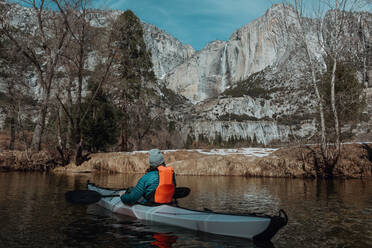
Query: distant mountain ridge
x=215, y=79
x=276, y=67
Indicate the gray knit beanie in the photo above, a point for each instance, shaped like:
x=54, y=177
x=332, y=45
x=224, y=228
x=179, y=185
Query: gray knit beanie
x=155, y=158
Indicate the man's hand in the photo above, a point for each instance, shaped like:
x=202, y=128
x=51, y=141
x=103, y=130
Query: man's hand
x=127, y=191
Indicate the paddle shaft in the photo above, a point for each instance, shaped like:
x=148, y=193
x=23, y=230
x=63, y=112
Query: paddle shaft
x=90, y=196
x=109, y=196
x=180, y=192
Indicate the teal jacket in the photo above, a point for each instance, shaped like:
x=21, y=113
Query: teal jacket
x=145, y=186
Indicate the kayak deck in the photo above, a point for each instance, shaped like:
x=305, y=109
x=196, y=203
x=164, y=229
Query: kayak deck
x=243, y=226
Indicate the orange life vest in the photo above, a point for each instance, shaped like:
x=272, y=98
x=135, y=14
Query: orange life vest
x=165, y=190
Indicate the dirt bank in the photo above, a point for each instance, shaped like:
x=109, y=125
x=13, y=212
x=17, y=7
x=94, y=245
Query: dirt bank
x=21, y=161
x=355, y=162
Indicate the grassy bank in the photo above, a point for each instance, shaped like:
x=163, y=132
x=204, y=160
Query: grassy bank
x=291, y=162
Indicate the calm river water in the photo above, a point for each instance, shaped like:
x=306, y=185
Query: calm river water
x=34, y=213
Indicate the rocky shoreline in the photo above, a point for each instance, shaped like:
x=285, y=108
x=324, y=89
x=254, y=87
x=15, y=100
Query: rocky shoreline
x=291, y=162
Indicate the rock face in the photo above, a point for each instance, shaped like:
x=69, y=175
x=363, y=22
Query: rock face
x=256, y=46
x=258, y=132
x=276, y=102
x=250, y=119
x=250, y=49
x=277, y=109
x=167, y=52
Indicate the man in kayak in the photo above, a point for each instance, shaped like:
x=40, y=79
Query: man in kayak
x=156, y=186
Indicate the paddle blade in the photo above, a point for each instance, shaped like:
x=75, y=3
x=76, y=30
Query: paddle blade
x=181, y=192
x=83, y=196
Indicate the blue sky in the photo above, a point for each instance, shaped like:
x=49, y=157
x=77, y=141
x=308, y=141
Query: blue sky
x=195, y=22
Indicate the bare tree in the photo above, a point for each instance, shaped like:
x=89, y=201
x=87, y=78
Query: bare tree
x=331, y=21
x=334, y=31
x=58, y=43
x=42, y=47
x=293, y=28
x=79, y=44
x=13, y=86
x=82, y=40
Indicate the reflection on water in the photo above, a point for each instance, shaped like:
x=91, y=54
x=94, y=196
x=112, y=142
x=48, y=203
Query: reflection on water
x=34, y=213
x=164, y=240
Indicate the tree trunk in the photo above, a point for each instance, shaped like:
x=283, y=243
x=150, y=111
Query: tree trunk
x=12, y=130
x=365, y=71
x=320, y=103
x=77, y=128
x=13, y=116
x=79, y=153
x=79, y=96
x=39, y=130
x=333, y=104
x=36, y=137
x=124, y=128
x=313, y=75
x=139, y=144
x=70, y=124
x=59, y=138
x=40, y=124
x=69, y=134
x=364, y=53
x=124, y=137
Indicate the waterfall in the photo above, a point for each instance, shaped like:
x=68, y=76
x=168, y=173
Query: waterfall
x=223, y=69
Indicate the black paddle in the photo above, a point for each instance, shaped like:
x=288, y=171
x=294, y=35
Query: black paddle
x=91, y=196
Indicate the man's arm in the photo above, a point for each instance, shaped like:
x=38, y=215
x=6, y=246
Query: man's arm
x=135, y=194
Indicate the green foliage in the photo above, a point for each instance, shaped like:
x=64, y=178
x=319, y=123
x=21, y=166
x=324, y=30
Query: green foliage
x=295, y=119
x=203, y=139
x=171, y=126
x=171, y=97
x=218, y=139
x=134, y=81
x=99, y=128
x=235, y=117
x=249, y=87
x=134, y=59
x=189, y=141
x=3, y=98
x=350, y=102
x=232, y=141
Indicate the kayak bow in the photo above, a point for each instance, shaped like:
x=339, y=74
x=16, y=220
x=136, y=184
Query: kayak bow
x=252, y=226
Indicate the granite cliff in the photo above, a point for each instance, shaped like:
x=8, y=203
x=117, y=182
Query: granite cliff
x=256, y=86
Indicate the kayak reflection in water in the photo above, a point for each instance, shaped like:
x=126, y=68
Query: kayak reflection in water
x=156, y=186
x=164, y=240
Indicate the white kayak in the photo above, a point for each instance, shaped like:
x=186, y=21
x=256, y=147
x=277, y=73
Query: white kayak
x=244, y=226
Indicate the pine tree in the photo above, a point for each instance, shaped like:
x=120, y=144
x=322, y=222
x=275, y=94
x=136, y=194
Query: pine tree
x=99, y=128
x=135, y=79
